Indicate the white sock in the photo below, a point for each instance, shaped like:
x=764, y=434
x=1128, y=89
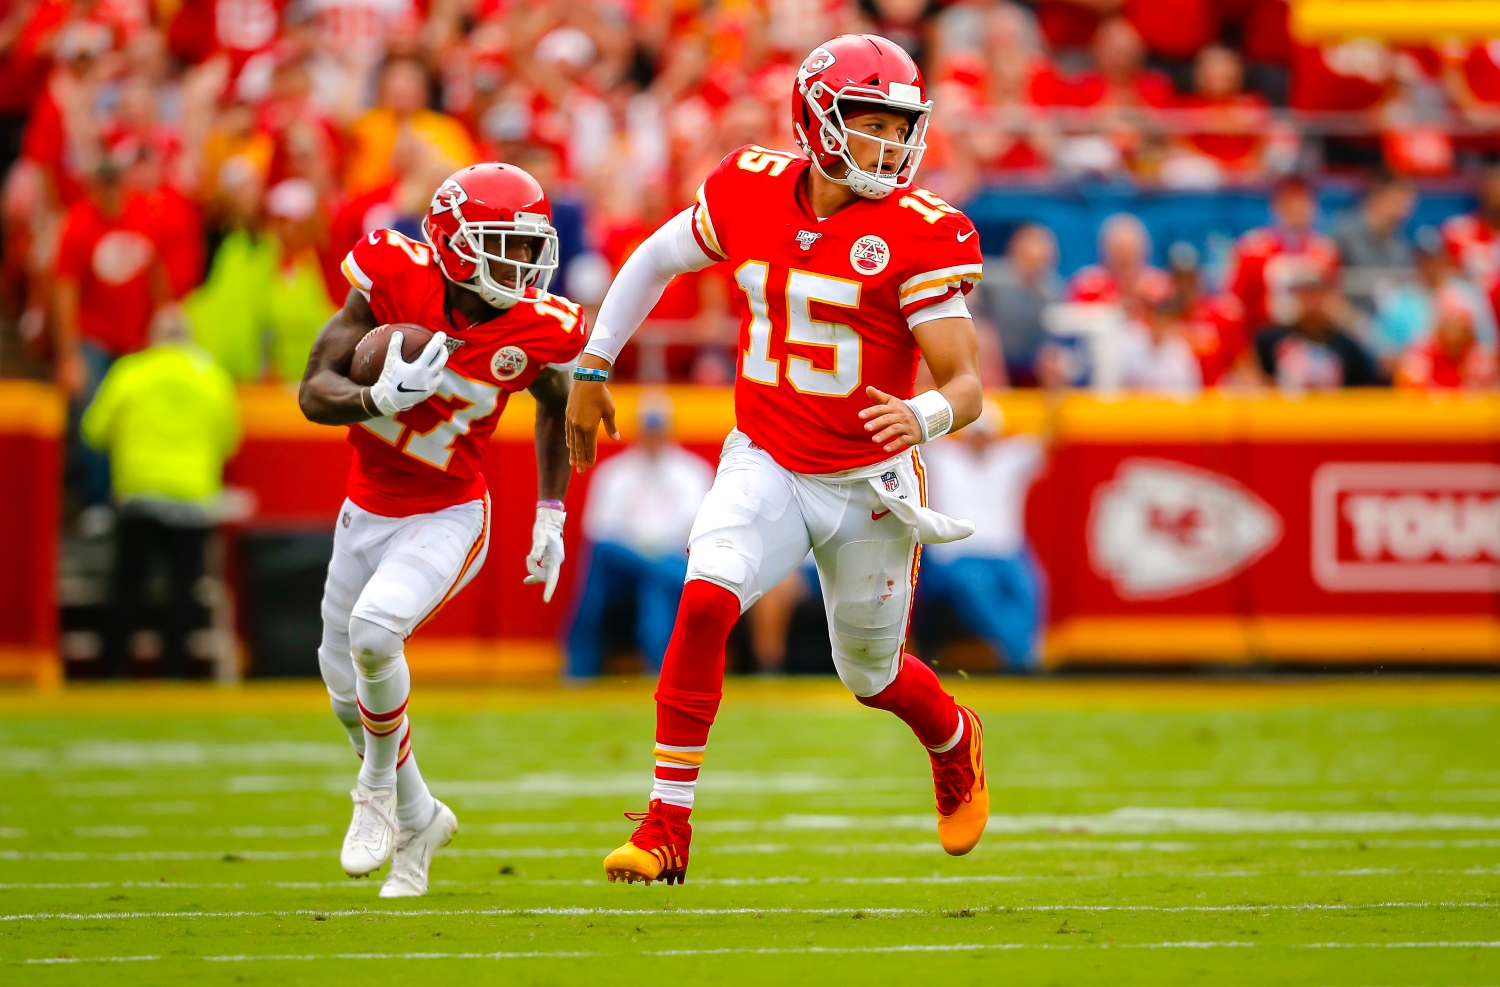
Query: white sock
x=383, y=708
x=674, y=792
x=415, y=805
x=957, y=736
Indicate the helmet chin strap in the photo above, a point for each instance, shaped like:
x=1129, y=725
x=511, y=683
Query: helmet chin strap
x=491, y=298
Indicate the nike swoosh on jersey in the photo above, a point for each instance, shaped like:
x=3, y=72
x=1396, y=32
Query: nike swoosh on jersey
x=876, y=516
x=964, y=236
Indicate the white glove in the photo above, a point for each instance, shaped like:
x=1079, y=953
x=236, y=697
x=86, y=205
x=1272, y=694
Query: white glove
x=405, y=385
x=546, y=558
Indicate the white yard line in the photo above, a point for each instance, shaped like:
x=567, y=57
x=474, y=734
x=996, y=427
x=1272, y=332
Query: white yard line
x=772, y=880
x=668, y=913
x=744, y=951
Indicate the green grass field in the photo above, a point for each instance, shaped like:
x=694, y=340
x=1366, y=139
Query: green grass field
x=1333, y=833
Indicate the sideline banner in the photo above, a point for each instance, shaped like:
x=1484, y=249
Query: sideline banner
x=1356, y=527
x=1353, y=527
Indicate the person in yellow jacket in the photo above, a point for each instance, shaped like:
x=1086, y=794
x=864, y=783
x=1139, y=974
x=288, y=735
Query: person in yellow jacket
x=169, y=418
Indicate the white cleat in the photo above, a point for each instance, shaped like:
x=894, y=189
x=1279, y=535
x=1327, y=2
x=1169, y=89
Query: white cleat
x=372, y=830
x=414, y=850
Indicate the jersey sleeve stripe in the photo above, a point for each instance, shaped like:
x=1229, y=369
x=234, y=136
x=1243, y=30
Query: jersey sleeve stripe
x=703, y=229
x=949, y=308
x=359, y=279
x=940, y=278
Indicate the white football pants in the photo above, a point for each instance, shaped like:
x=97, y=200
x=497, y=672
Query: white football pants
x=395, y=572
x=760, y=519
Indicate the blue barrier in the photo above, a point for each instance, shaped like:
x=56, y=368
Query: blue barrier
x=1208, y=220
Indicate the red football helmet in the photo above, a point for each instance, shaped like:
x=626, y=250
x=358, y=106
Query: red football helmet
x=475, y=214
x=866, y=69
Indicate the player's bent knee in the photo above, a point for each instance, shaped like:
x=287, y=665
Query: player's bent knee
x=338, y=673
x=863, y=676
x=719, y=560
x=375, y=648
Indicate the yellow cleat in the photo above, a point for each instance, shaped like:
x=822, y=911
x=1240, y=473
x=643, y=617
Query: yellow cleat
x=658, y=849
x=630, y=864
x=963, y=798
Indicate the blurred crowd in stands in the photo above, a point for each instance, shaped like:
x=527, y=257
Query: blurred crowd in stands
x=226, y=153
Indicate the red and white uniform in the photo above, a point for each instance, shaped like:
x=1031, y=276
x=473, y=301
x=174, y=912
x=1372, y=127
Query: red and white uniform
x=416, y=525
x=820, y=323
x=1264, y=263
x=428, y=458
x=827, y=307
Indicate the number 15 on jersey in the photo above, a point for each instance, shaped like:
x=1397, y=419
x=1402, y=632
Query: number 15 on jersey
x=802, y=289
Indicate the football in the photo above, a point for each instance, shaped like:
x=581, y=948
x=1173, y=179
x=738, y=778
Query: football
x=369, y=355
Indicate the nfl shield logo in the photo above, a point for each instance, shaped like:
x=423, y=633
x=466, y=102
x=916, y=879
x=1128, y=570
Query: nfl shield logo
x=891, y=480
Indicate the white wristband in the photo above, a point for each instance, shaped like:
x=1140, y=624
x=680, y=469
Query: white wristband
x=934, y=412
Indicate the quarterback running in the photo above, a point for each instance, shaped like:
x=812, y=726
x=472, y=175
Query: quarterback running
x=848, y=273
x=415, y=526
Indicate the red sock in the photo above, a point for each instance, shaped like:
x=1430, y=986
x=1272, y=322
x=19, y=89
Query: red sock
x=920, y=700
x=691, y=685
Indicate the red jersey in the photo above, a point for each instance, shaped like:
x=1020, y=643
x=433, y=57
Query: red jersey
x=1263, y=263
x=824, y=304
x=428, y=457
x=1097, y=283
x=1214, y=326
x=1429, y=365
x=113, y=259
x=1475, y=247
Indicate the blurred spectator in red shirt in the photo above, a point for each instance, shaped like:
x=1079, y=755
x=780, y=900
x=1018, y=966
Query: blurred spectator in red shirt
x=988, y=97
x=110, y=278
x=27, y=32
x=1124, y=274
x=1233, y=122
x=1265, y=259
x=1120, y=88
x=59, y=135
x=1474, y=238
x=1451, y=356
x=1212, y=324
x=1119, y=76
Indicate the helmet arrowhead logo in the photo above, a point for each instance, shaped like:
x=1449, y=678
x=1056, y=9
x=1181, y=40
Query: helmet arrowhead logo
x=818, y=60
x=448, y=197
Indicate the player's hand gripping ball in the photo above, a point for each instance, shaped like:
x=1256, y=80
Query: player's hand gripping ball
x=402, y=364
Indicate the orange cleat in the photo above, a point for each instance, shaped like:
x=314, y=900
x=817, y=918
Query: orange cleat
x=657, y=850
x=963, y=799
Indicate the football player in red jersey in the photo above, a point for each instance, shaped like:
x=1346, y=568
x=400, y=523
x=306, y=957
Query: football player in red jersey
x=848, y=273
x=416, y=525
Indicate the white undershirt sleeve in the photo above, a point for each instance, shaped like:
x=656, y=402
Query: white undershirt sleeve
x=953, y=308
x=670, y=251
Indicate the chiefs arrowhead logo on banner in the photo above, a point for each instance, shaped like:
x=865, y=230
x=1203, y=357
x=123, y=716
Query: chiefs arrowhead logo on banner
x=1163, y=529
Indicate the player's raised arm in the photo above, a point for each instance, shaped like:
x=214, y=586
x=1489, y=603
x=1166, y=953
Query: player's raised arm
x=327, y=395
x=670, y=251
x=951, y=348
